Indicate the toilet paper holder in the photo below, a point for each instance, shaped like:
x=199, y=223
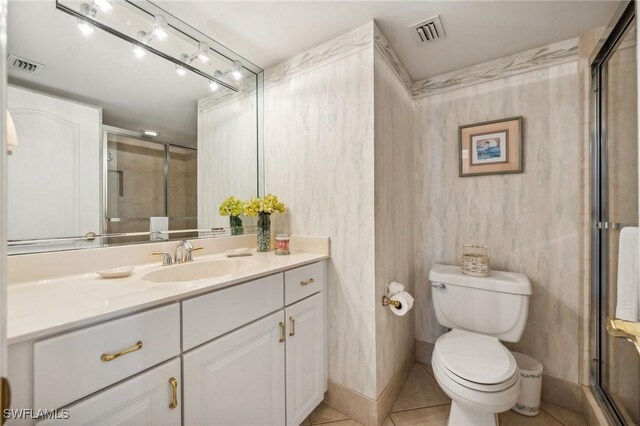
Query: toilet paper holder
x=386, y=301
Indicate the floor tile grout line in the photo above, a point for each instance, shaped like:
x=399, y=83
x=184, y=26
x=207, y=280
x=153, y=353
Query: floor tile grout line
x=329, y=421
x=554, y=417
x=419, y=408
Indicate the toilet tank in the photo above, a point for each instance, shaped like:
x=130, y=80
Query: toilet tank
x=496, y=305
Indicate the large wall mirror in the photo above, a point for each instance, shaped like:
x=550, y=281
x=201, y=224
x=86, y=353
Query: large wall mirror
x=132, y=126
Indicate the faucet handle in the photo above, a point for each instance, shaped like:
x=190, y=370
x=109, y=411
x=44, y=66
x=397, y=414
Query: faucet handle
x=166, y=257
x=192, y=249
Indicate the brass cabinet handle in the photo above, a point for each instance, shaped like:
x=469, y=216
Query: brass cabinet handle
x=5, y=403
x=293, y=326
x=307, y=282
x=111, y=357
x=627, y=329
x=282, y=332
x=174, y=393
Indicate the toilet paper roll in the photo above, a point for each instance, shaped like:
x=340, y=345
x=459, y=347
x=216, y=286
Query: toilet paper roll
x=406, y=301
x=395, y=288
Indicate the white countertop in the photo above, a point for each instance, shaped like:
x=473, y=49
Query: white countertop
x=45, y=307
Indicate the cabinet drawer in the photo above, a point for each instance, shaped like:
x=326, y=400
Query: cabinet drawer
x=72, y=365
x=302, y=282
x=144, y=400
x=209, y=316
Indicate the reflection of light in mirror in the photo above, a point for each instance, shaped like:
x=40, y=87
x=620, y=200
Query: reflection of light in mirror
x=104, y=5
x=213, y=86
x=160, y=27
x=203, y=51
x=236, y=70
x=151, y=133
x=85, y=28
x=138, y=51
x=181, y=71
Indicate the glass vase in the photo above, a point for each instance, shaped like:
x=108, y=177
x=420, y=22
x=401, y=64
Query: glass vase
x=235, y=222
x=264, y=232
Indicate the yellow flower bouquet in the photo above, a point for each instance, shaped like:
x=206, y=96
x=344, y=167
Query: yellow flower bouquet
x=233, y=208
x=264, y=207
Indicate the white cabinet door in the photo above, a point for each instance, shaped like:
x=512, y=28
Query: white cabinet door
x=305, y=358
x=145, y=400
x=238, y=379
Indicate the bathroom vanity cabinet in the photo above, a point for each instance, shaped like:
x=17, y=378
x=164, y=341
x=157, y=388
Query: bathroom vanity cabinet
x=251, y=353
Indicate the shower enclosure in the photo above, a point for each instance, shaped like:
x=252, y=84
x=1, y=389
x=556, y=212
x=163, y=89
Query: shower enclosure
x=615, y=371
x=145, y=178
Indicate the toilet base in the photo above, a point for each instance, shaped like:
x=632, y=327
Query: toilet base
x=461, y=415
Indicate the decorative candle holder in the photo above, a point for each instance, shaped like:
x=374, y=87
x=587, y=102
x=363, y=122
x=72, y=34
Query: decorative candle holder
x=282, y=244
x=475, y=260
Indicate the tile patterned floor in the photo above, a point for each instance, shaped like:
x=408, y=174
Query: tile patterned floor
x=422, y=403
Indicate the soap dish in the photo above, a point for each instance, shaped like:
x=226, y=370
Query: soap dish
x=123, y=271
x=238, y=252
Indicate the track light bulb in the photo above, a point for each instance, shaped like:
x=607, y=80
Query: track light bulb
x=85, y=28
x=236, y=70
x=139, y=51
x=213, y=86
x=104, y=5
x=181, y=71
x=160, y=28
x=203, y=52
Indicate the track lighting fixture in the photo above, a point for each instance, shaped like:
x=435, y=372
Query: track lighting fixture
x=236, y=70
x=213, y=84
x=203, y=52
x=159, y=30
x=90, y=11
x=104, y=5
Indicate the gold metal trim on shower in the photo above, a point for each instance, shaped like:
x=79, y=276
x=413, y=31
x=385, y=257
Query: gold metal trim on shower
x=111, y=357
x=627, y=329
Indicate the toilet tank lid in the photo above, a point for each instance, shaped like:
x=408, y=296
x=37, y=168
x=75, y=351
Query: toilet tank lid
x=504, y=282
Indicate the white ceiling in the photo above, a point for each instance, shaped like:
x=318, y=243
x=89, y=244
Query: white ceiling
x=268, y=32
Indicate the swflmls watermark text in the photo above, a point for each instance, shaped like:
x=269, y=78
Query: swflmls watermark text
x=31, y=414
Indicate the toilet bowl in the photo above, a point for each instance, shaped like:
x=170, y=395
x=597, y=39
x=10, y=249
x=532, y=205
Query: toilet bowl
x=470, y=363
x=479, y=375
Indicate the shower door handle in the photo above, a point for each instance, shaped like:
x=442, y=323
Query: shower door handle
x=627, y=329
x=612, y=225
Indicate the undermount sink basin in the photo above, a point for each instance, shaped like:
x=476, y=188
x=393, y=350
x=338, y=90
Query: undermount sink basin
x=199, y=270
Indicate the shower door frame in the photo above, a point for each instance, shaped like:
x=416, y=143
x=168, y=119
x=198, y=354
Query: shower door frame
x=613, y=36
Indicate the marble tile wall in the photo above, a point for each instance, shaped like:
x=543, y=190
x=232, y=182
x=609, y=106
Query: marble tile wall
x=227, y=155
x=319, y=160
x=394, y=212
x=529, y=220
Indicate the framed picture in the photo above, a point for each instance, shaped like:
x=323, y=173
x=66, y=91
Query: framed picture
x=490, y=148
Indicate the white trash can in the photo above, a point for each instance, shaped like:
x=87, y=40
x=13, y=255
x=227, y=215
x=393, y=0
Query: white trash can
x=530, y=385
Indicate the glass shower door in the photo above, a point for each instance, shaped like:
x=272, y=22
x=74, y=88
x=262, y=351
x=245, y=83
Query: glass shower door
x=617, y=375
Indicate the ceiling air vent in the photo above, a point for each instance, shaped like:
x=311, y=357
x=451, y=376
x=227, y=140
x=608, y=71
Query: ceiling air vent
x=25, y=65
x=427, y=31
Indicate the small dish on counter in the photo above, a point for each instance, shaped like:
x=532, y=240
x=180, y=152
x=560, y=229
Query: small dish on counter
x=121, y=272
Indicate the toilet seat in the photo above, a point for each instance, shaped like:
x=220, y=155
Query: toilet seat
x=475, y=361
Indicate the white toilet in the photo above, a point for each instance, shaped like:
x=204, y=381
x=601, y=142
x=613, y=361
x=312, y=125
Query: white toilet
x=470, y=364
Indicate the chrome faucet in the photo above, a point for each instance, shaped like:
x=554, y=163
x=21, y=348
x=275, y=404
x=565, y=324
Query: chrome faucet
x=166, y=257
x=183, y=252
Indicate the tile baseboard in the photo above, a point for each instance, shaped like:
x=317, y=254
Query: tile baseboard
x=391, y=392
x=592, y=410
x=562, y=393
x=363, y=409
